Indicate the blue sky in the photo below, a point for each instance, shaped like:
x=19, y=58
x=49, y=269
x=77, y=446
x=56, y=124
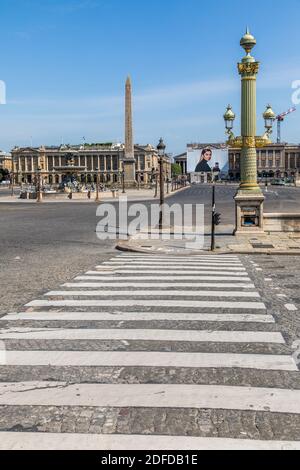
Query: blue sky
x=65, y=62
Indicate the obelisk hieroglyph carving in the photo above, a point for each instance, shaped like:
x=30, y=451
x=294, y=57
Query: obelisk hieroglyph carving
x=129, y=160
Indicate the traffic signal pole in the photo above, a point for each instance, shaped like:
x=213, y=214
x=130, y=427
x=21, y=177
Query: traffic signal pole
x=213, y=233
x=215, y=219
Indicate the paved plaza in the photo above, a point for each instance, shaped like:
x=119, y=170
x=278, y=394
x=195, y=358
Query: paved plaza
x=110, y=350
x=200, y=350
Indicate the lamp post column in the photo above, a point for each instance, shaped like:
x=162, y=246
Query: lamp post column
x=248, y=70
x=39, y=185
x=249, y=199
x=12, y=176
x=161, y=153
x=123, y=178
x=97, y=185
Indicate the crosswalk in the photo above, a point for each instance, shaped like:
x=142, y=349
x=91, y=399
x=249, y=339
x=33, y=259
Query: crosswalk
x=149, y=352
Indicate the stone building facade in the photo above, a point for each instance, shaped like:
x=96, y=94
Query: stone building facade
x=60, y=164
x=5, y=161
x=274, y=161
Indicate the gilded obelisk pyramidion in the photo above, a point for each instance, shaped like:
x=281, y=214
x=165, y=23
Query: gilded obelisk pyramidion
x=129, y=160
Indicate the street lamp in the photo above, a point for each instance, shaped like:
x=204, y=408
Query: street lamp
x=229, y=118
x=161, y=153
x=155, y=175
x=20, y=178
x=12, y=176
x=168, y=183
x=97, y=185
x=269, y=117
x=139, y=180
x=249, y=198
x=39, y=189
x=123, y=178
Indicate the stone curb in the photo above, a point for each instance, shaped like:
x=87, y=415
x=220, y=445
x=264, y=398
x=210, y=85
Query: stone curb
x=129, y=247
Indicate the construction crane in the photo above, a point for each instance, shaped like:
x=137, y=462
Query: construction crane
x=280, y=118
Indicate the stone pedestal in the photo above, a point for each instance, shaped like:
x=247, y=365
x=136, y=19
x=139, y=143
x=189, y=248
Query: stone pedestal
x=129, y=173
x=249, y=213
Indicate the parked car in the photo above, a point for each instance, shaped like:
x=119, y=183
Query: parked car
x=279, y=182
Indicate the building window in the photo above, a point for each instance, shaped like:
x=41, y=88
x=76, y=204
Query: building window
x=101, y=163
x=108, y=163
x=115, y=163
x=142, y=162
x=89, y=162
x=95, y=161
x=293, y=161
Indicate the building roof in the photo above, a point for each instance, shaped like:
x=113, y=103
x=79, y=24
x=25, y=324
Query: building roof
x=83, y=148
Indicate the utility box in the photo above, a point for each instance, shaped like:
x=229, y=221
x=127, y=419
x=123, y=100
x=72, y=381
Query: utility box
x=249, y=213
x=250, y=216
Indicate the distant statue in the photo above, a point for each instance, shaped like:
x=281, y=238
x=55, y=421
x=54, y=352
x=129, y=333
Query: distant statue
x=203, y=166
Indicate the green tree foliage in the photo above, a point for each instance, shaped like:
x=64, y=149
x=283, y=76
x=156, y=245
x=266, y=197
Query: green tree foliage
x=176, y=169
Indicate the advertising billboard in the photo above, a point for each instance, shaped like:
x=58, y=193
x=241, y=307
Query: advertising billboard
x=207, y=159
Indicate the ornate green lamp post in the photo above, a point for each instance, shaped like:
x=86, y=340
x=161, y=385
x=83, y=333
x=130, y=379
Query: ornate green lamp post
x=249, y=198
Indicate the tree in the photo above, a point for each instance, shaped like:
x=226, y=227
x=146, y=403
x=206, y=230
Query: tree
x=3, y=174
x=176, y=169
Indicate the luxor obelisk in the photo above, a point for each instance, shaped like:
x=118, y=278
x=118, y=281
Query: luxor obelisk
x=129, y=160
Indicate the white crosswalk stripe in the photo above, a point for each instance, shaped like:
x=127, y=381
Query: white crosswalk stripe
x=162, y=285
x=136, y=442
x=163, y=268
x=97, y=276
x=135, y=321
x=173, y=263
x=145, y=335
x=153, y=293
x=151, y=359
x=175, y=396
x=149, y=303
x=140, y=316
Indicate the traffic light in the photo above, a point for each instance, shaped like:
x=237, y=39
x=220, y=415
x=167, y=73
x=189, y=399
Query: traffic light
x=217, y=218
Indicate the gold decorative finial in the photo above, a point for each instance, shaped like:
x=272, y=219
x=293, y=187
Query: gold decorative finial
x=248, y=41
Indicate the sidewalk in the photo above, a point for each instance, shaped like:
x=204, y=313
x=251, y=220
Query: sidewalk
x=276, y=243
x=131, y=194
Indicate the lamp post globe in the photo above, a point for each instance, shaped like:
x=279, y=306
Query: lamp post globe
x=161, y=148
x=229, y=118
x=269, y=117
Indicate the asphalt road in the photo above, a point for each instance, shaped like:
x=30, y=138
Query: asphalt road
x=42, y=246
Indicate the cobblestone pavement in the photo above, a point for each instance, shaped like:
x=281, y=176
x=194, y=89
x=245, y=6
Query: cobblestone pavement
x=157, y=352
